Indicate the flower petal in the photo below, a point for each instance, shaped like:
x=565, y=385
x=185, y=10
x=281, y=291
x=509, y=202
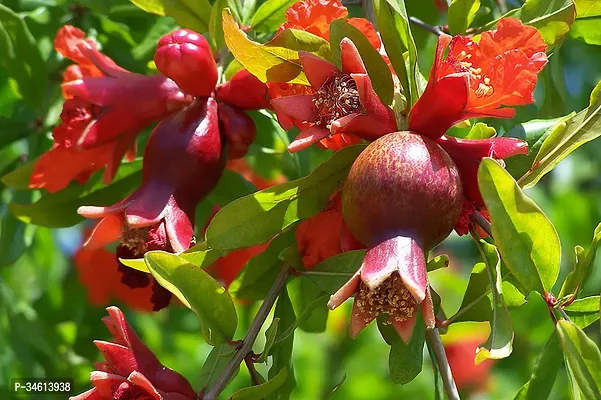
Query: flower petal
x=299, y=107
x=405, y=328
x=92, y=394
x=106, y=383
x=368, y=30
x=350, y=58
x=359, y=320
x=346, y=291
x=317, y=69
x=106, y=232
x=140, y=381
x=307, y=137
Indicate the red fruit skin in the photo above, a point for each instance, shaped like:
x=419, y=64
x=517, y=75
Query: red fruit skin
x=239, y=129
x=244, y=91
x=186, y=57
x=403, y=184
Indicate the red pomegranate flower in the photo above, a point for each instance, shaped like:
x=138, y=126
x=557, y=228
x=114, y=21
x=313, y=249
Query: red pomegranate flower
x=131, y=370
x=343, y=102
x=474, y=80
x=99, y=124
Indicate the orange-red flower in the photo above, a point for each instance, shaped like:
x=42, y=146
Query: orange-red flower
x=315, y=16
x=475, y=80
x=99, y=271
x=106, y=107
x=468, y=376
x=131, y=370
x=241, y=166
x=343, y=102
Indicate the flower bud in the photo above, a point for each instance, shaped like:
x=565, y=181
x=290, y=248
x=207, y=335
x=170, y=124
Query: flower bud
x=186, y=57
x=239, y=130
x=244, y=91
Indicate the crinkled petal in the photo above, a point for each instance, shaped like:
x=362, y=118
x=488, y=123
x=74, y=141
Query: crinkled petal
x=317, y=69
x=308, y=137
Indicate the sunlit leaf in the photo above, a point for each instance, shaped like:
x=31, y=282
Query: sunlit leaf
x=270, y=335
x=583, y=312
x=545, y=370
x=461, y=14
x=198, y=291
x=378, y=70
x=566, y=137
x=552, y=18
x=270, y=15
x=257, y=218
x=588, y=20
x=583, y=360
x=193, y=14
x=525, y=238
x=294, y=39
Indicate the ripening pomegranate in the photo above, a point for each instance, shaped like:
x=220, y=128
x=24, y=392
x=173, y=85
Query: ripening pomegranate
x=402, y=197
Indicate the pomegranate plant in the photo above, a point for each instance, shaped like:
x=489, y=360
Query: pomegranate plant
x=232, y=172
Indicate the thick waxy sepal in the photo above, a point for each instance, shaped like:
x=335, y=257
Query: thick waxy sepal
x=308, y=137
x=317, y=70
x=350, y=58
x=244, y=91
x=399, y=254
x=299, y=107
x=185, y=56
x=239, y=129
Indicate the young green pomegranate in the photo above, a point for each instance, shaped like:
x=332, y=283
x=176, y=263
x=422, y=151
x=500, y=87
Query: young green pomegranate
x=401, y=198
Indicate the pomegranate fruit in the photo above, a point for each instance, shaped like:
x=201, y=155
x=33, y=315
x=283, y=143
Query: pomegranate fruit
x=402, y=197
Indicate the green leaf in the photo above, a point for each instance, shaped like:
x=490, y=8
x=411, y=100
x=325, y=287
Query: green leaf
x=566, y=137
x=461, y=14
x=200, y=256
x=545, y=370
x=583, y=360
x=198, y=291
x=135, y=263
x=334, y=272
x=267, y=63
x=215, y=23
x=440, y=261
x=476, y=304
x=230, y=187
x=19, y=178
x=215, y=363
x=500, y=341
x=259, y=273
x=296, y=40
x=282, y=352
x=257, y=218
x=583, y=312
x=270, y=335
x=584, y=260
x=525, y=238
x=310, y=306
x=58, y=210
x=588, y=18
x=481, y=131
x=270, y=15
x=20, y=55
x=378, y=70
x=193, y=14
x=405, y=360
x=534, y=133
x=262, y=390
x=552, y=18
x=335, y=388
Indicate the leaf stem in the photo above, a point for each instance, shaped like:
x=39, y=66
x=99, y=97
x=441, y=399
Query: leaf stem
x=250, y=365
x=435, y=344
x=433, y=29
x=562, y=312
x=251, y=335
x=482, y=222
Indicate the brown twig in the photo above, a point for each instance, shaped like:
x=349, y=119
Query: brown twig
x=246, y=347
x=482, y=222
x=433, y=29
x=250, y=365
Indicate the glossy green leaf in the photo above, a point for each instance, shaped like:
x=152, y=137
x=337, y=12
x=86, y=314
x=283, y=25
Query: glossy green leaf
x=193, y=14
x=378, y=70
x=405, y=360
x=545, y=370
x=297, y=40
x=476, y=304
x=534, y=133
x=198, y=291
x=334, y=272
x=552, y=18
x=584, y=261
x=583, y=312
x=310, y=306
x=270, y=15
x=588, y=20
x=270, y=335
x=20, y=55
x=525, y=238
x=215, y=23
x=215, y=363
x=257, y=218
x=440, y=261
x=583, y=360
x=461, y=14
x=566, y=137
x=481, y=131
x=200, y=256
x=500, y=341
x=259, y=273
x=57, y=210
x=267, y=63
x=262, y=390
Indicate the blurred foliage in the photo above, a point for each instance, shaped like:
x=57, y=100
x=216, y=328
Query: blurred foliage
x=47, y=325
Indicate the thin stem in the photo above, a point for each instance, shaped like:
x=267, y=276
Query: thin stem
x=251, y=335
x=433, y=29
x=250, y=365
x=435, y=344
x=482, y=222
x=563, y=313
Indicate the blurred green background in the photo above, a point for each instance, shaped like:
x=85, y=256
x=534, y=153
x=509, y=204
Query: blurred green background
x=47, y=325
